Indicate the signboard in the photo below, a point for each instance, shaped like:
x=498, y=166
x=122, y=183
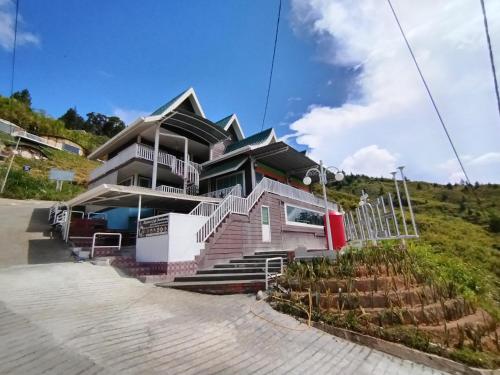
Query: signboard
x=59, y=175
x=155, y=226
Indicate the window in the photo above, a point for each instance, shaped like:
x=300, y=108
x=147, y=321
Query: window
x=144, y=182
x=303, y=216
x=129, y=181
x=230, y=181
x=70, y=148
x=265, y=215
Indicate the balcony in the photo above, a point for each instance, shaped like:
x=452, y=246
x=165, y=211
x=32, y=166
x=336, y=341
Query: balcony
x=138, y=151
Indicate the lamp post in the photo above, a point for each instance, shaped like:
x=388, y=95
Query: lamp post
x=321, y=171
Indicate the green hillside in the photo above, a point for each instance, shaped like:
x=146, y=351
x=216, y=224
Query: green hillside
x=458, y=222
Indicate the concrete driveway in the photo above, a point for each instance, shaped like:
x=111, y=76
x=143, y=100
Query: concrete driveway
x=77, y=318
x=25, y=236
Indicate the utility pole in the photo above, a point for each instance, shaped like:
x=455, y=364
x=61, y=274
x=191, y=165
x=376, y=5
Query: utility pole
x=10, y=166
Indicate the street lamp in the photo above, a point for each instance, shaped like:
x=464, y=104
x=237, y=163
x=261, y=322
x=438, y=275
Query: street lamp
x=323, y=180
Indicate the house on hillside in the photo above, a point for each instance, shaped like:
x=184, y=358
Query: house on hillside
x=198, y=193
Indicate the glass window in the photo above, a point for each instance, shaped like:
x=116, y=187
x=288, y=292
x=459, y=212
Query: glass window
x=144, y=182
x=303, y=216
x=127, y=182
x=265, y=215
x=70, y=148
x=229, y=181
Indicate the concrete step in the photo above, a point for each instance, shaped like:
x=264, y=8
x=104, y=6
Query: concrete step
x=256, y=260
x=277, y=253
x=263, y=256
x=222, y=277
x=272, y=265
x=217, y=287
x=222, y=271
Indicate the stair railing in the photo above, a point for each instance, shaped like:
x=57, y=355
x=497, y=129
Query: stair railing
x=237, y=205
x=102, y=234
x=269, y=275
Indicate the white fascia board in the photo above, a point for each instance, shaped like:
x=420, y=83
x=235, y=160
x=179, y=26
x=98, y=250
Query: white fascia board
x=229, y=170
x=227, y=156
x=238, y=130
x=95, y=154
x=267, y=141
x=188, y=93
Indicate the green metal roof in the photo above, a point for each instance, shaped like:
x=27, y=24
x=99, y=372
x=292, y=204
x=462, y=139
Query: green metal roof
x=223, y=167
x=222, y=123
x=160, y=110
x=252, y=140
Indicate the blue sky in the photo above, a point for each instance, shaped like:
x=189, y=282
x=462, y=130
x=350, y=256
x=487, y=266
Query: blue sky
x=344, y=86
x=108, y=56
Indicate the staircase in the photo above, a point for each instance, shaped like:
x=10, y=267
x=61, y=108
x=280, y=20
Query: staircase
x=242, y=275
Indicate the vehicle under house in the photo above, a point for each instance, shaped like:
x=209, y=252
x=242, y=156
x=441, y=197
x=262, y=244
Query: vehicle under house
x=195, y=201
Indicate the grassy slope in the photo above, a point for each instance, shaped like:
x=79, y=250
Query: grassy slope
x=35, y=184
x=453, y=219
x=38, y=122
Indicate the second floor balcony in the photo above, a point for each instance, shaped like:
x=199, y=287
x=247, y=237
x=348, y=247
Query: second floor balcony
x=146, y=153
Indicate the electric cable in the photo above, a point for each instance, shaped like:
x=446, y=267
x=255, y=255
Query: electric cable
x=492, y=60
x=429, y=93
x=272, y=66
x=14, y=50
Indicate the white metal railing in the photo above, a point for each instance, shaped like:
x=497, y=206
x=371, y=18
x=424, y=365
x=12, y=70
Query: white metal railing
x=204, y=209
x=270, y=275
x=169, y=189
x=221, y=193
x=238, y=205
x=33, y=137
x=145, y=152
x=119, y=246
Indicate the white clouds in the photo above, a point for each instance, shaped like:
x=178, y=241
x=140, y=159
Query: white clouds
x=371, y=160
x=7, y=23
x=128, y=115
x=391, y=108
x=483, y=163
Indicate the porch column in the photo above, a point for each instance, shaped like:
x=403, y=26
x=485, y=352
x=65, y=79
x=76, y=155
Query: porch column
x=139, y=207
x=252, y=172
x=155, y=157
x=186, y=156
x=68, y=223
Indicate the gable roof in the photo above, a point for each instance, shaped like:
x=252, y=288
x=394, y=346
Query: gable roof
x=172, y=104
x=223, y=167
x=264, y=137
x=231, y=121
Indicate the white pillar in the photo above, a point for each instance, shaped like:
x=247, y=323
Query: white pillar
x=68, y=223
x=139, y=207
x=155, y=157
x=252, y=171
x=322, y=177
x=186, y=157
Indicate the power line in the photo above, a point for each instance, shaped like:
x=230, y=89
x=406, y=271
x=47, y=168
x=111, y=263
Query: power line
x=14, y=50
x=272, y=66
x=429, y=93
x=493, y=70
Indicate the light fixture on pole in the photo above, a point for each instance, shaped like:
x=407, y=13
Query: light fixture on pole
x=322, y=171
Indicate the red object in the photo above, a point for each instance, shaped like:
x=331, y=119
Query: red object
x=337, y=229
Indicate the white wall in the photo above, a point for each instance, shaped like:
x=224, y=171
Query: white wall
x=179, y=245
x=111, y=178
x=152, y=249
x=182, y=230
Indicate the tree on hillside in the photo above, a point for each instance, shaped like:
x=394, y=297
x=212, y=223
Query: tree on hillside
x=72, y=120
x=22, y=96
x=100, y=124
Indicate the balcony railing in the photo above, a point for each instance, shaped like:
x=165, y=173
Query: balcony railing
x=147, y=153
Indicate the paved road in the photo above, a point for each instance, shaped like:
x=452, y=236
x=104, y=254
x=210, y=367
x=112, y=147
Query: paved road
x=77, y=318
x=25, y=236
